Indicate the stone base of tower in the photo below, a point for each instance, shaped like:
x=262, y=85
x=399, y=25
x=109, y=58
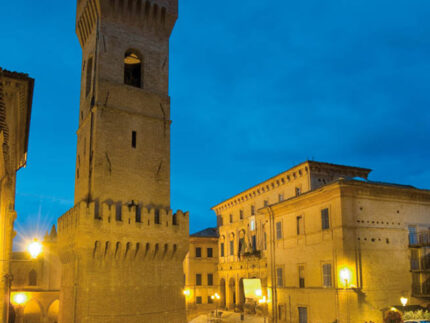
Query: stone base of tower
x=119, y=270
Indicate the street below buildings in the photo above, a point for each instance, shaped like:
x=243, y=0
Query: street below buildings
x=229, y=317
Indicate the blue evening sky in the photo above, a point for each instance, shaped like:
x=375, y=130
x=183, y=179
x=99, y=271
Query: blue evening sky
x=257, y=87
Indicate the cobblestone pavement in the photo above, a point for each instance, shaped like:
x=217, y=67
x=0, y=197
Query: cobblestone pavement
x=229, y=317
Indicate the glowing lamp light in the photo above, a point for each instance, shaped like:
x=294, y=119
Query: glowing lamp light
x=404, y=301
x=345, y=275
x=216, y=296
x=259, y=292
x=20, y=298
x=263, y=300
x=187, y=292
x=35, y=249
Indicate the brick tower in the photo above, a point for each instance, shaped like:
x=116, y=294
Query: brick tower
x=121, y=246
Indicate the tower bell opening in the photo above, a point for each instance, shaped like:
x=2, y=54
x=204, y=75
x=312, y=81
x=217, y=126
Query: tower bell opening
x=132, y=69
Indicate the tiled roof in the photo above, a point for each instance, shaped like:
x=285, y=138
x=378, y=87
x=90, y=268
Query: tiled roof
x=206, y=233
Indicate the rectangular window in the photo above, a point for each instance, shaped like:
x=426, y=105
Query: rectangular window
x=415, y=260
x=266, y=203
x=198, y=300
x=231, y=218
x=278, y=230
x=254, y=243
x=302, y=276
x=265, y=240
x=222, y=249
x=326, y=268
x=89, y=76
x=303, y=315
x=241, y=214
x=210, y=252
x=281, y=312
x=279, y=277
x=219, y=221
x=325, y=221
x=241, y=246
x=232, y=248
x=118, y=212
x=252, y=210
x=133, y=139
x=298, y=191
x=198, y=252
x=413, y=239
x=281, y=197
x=210, y=279
x=299, y=225
x=138, y=213
x=210, y=300
x=157, y=217
x=198, y=279
x=252, y=225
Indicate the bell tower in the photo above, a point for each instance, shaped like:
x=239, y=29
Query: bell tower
x=123, y=151
x=121, y=246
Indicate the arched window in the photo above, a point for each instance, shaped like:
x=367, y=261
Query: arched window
x=32, y=278
x=132, y=69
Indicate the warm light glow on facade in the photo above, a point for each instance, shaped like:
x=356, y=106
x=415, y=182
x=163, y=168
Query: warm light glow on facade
x=216, y=296
x=19, y=298
x=345, y=276
x=404, y=301
x=35, y=248
x=187, y=292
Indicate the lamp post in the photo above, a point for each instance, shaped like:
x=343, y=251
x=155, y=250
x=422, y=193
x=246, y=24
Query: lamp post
x=19, y=300
x=345, y=275
x=216, y=298
x=34, y=248
x=263, y=301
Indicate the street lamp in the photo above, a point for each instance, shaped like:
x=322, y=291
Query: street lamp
x=263, y=301
x=345, y=275
x=404, y=301
x=35, y=249
x=216, y=298
x=20, y=298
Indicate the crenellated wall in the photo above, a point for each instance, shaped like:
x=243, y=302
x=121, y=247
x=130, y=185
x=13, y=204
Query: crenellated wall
x=130, y=260
x=136, y=233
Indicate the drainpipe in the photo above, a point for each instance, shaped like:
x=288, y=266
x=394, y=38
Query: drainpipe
x=273, y=266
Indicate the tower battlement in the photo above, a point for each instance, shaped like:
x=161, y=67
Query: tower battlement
x=155, y=15
x=129, y=220
x=152, y=234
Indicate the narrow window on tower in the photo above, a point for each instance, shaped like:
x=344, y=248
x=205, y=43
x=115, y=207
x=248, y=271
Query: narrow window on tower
x=132, y=69
x=89, y=75
x=133, y=139
x=157, y=217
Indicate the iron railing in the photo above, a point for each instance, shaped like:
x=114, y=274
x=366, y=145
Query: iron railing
x=419, y=239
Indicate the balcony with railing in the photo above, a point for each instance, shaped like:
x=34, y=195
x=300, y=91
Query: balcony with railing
x=419, y=239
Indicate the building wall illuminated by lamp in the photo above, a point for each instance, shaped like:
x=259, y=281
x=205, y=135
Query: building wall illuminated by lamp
x=200, y=269
x=324, y=243
x=16, y=98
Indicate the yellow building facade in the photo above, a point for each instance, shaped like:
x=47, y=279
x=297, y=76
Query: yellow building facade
x=16, y=97
x=35, y=291
x=201, y=272
x=327, y=244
